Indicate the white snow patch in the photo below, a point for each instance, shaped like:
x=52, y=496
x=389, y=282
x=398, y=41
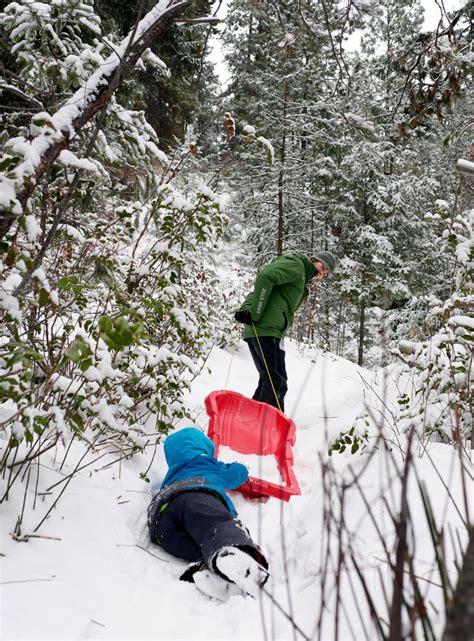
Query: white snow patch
x=68, y=159
x=261, y=467
x=32, y=228
x=7, y=409
x=249, y=130
x=269, y=148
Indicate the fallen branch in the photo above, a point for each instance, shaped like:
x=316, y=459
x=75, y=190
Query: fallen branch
x=25, y=581
x=135, y=545
x=23, y=538
x=97, y=623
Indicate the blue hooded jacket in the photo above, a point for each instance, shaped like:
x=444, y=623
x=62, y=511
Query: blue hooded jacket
x=192, y=465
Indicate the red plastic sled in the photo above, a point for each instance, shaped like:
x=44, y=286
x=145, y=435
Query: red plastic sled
x=251, y=427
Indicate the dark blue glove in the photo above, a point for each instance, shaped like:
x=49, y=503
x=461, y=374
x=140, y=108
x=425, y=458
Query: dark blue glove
x=243, y=316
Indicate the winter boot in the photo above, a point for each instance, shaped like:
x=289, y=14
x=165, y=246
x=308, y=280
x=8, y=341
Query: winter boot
x=208, y=582
x=188, y=574
x=242, y=569
x=212, y=585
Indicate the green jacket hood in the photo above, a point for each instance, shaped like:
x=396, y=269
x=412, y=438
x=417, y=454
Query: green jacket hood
x=309, y=268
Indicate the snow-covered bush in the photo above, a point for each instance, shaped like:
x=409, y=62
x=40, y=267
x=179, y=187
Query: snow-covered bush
x=443, y=363
x=108, y=335
x=103, y=317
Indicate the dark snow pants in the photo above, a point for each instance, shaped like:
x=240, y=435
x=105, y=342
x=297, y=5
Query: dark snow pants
x=196, y=525
x=275, y=359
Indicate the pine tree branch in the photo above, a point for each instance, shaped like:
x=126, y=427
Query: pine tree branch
x=20, y=94
x=211, y=20
x=82, y=107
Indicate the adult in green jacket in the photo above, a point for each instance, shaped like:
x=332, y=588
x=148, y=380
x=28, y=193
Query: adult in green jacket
x=268, y=313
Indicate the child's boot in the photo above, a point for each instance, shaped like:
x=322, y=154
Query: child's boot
x=242, y=569
x=212, y=585
x=208, y=582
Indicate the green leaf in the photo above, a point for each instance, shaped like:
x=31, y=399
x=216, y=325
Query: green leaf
x=8, y=162
x=71, y=283
x=42, y=421
x=79, y=351
x=44, y=298
x=21, y=352
x=67, y=282
x=118, y=333
x=105, y=324
x=123, y=213
x=85, y=364
x=41, y=122
x=76, y=420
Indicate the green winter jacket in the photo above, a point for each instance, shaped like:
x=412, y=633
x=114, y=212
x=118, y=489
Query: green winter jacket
x=279, y=290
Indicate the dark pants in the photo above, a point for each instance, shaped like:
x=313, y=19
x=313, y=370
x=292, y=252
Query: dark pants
x=196, y=525
x=275, y=359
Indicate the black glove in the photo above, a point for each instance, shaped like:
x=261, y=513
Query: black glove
x=243, y=316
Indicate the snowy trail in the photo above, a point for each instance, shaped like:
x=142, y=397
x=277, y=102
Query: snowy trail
x=101, y=580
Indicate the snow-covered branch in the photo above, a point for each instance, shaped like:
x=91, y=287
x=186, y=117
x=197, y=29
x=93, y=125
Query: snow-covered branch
x=18, y=183
x=465, y=167
x=20, y=94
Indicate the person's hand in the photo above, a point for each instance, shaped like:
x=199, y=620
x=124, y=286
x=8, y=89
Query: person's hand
x=243, y=316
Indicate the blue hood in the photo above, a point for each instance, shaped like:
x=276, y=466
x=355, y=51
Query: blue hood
x=190, y=457
x=181, y=447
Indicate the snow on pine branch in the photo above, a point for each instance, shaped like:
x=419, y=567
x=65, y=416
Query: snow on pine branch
x=38, y=154
x=465, y=167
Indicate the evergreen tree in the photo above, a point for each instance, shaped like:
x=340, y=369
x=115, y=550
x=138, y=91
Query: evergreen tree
x=278, y=89
x=171, y=101
x=346, y=176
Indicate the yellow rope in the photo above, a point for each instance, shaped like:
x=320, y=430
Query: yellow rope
x=266, y=366
x=230, y=364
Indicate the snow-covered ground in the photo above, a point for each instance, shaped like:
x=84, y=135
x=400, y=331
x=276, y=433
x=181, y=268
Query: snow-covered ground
x=104, y=580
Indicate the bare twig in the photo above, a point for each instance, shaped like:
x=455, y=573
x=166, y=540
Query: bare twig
x=135, y=545
x=26, y=581
x=30, y=458
x=285, y=614
x=25, y=537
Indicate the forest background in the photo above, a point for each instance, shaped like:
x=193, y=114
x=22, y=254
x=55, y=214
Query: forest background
x=129, y=176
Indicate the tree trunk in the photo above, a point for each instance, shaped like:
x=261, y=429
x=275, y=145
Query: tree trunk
x=460, y=614
x=327, y=327
x=280, y=207
x=281, y=177
x=340, y=330
x=360, y=359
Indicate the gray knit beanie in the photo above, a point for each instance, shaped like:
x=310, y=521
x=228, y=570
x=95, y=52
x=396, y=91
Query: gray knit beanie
x=327, y=259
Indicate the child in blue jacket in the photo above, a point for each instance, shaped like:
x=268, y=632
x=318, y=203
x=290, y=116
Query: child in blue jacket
x=192, y=518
